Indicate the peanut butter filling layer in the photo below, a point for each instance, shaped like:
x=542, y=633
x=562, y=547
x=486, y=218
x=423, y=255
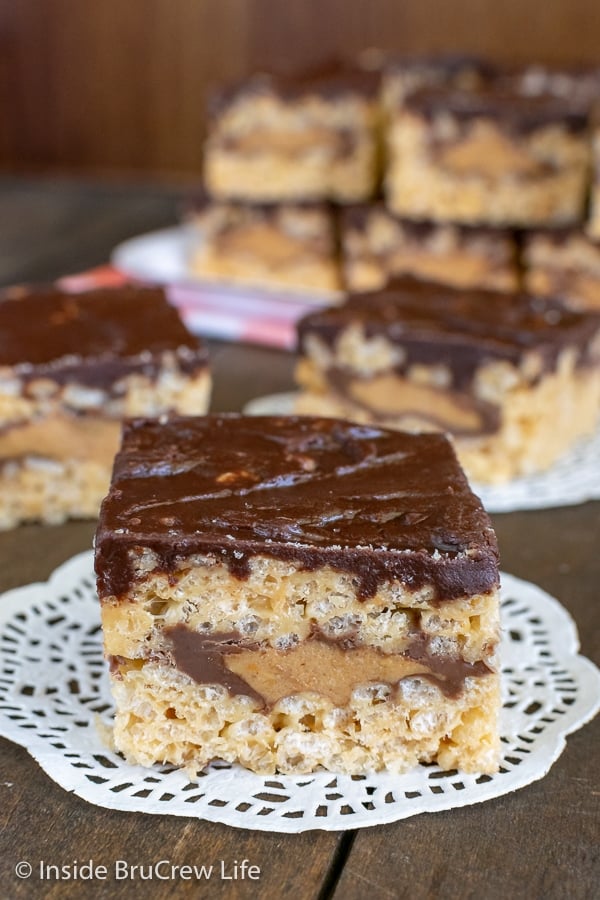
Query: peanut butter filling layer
x=333, y=669
x=63, y=437
x=486, y=151
x=263, y=241
x=318, y=667
x=463, y=269
x=389, y=395
x=290, y=143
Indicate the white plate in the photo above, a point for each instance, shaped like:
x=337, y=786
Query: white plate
x=574, y=479
x=157, y=256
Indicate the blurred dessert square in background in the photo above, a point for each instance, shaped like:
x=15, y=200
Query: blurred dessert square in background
x=282, y=138
x=376, y=246
x=565, y=264
x=72, y=367
x=579, y=85
x=269, y=246
x=463, y=148
x=491, y=156
x=514, y=379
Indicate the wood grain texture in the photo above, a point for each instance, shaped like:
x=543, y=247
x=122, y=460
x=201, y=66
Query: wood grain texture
x=121, y=86
x=538, y=842
x=40, y=821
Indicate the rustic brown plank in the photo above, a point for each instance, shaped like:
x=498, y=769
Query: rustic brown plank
x=115, y=85
x=122, y=86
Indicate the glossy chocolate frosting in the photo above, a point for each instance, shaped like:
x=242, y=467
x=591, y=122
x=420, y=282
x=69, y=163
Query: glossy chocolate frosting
x=374, y=503
x=459, y=329
x=93, y=338
x=513, y=109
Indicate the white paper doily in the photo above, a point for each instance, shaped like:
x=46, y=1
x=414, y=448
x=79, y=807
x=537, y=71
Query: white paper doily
x=573, y=479
x=54, y=689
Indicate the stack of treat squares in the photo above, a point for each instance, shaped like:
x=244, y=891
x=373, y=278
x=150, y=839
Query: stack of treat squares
x=280, y=153
x=457, y=203
x=445, y=168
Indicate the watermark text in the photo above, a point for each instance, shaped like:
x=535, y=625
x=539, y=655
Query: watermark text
x=125, y=870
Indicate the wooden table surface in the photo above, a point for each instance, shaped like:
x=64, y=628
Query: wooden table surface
x=540, y=842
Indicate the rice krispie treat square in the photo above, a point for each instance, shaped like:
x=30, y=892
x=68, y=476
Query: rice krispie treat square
x=276, y=139
x=514, y=379
x=572, y=84
x=72, y=366
x=295, y=593
x=285, y=246
x=492, y=156
x=377, y=246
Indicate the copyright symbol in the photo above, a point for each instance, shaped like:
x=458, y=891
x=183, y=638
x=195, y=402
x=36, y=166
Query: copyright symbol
x=23, y=869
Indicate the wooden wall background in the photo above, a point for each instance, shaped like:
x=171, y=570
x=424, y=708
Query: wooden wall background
x=120, y=85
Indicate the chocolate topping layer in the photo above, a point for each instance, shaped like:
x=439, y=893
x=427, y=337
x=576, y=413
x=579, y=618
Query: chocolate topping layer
x=201, y=201
x=342, y=381
x=515, y=110
x=559, y=237
x=446, y=65
x=357, y=216
x=330, y=81
x=94, y=338
x=575, y=82
x=459, y=329
x=377, y=504
x=203, y=658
